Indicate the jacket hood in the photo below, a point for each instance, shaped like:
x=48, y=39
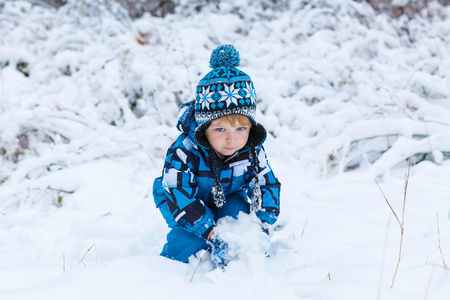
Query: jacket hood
x=186, y=120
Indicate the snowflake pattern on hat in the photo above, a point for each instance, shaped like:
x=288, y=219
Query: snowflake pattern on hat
x=225, y=90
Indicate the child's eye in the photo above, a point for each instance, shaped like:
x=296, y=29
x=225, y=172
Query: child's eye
x=220, y=129
x=241, y=128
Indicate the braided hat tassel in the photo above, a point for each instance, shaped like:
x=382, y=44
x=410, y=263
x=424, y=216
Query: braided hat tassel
x=256, y=204
x=217, y=189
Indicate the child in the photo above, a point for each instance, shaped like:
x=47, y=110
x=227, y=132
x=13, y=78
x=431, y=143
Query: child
x=217, y=164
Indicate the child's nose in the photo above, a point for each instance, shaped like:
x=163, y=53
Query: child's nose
x=231, y=137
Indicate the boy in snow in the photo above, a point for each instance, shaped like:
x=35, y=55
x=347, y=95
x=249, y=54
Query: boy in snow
x=217, y=167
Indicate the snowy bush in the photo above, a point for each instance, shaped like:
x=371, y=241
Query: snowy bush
x=339, y=86
x=397, y=8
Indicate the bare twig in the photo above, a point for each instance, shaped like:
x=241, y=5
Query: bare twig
x=200, y=260
x=444, y=264
x=60, y=190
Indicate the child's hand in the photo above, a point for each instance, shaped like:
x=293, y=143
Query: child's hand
x=221, y=254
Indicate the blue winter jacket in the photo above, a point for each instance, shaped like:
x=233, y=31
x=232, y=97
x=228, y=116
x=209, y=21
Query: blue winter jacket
x=183, y=192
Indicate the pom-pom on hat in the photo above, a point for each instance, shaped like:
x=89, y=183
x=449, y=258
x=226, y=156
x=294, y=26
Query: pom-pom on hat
x=225, y=90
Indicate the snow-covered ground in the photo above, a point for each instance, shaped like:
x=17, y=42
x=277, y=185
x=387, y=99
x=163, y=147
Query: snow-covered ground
x=347, y=96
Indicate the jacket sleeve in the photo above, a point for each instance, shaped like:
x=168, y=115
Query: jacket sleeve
x=180, y=187
x=270, y=190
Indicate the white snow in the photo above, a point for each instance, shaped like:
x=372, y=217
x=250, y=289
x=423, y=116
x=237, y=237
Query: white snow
x=346, y=94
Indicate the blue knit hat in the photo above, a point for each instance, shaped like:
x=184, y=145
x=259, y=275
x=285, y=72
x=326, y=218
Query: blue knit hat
x=224, y=91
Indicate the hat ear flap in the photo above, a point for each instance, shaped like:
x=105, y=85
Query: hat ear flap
x=200, y=136
x=257, y=135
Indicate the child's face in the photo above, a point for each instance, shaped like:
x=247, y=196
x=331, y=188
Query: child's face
x=226, y=138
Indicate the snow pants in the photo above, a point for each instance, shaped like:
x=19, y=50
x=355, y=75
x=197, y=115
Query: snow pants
x=181, y=244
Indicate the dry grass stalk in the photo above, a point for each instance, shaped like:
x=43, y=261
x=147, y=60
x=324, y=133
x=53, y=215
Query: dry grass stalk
x=402, y=222
x=395, y=215
x=201, y=258
x=81, y=261
x=444, y=264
